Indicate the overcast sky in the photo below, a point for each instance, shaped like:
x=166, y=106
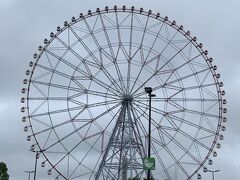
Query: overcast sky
x=25, y=23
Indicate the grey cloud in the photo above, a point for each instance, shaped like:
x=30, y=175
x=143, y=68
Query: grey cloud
x=24, y=25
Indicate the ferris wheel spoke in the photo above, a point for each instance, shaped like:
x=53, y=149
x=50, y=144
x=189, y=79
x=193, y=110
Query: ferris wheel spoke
x=102, y=114
x=72, y=149
x=144, y=30
x=154, y=123
x=107, y=37
x=209, y=108
x=47, y=139
x=176, y=161
x=111, y=21
x=83, y=138
x=155, y=99
x=87, y=123
x=138, y=75
x=137, y=128
x=170, y=116
x=163, y=114
x=89, y=76
x=73, y=78
x=129, y=59
x=189, y=123
x=168, y=61
x=155, y=39
x=94, y=120
x=188, y=76
x=162, y=86
x=50, y=128
x=189, y=88
x=188, y=61
x=176, y=105
x=190, y=111
x=145, y=116
x=156, y=141
x=131, y=36
x=47, y=98
x=41, y=75
x=114, y=61
x=65, y=137
x=108, y=75
x=198, y=152
x=102, y=94
x=84, y=166
x=128, y=75
x=209, y=92
x=135, y=135
x=85, y=156
x=206, y=77
x=69, y=48
x=120, y=44
x=195, y=140
x=186, y=151
x=141, y=52
x=38, y=107
x=117, y=26
x=210, y=124
x=49, y=69
x=161, y=161
x=103, y=103
x=40, y=122
x=57, y=111
x=48, y=60
x=158, y=57
x=39, y=90
x=95, y=167
x=156, y=110
x=81, y=91
x=57, y=86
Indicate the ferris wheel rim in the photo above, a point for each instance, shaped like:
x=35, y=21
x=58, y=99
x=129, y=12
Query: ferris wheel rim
x=191, y=39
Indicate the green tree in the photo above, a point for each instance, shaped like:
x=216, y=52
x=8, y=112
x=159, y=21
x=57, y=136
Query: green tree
x=3, y=171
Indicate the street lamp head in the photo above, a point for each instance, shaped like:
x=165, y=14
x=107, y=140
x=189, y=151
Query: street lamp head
x=148, y=90
x=29, y=171
x=199, y=176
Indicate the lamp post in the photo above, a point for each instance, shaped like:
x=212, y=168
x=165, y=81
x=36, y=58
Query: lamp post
x=148, y=90
x=36, y=158
x=29, y=173
x=212, y=171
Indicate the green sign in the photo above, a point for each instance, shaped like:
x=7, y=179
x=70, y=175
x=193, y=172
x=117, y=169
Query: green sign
x=149, y=163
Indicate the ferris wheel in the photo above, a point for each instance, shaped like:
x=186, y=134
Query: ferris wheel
x=87, y=112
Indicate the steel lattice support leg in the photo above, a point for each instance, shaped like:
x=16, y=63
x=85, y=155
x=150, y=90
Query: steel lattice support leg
x=124, y=152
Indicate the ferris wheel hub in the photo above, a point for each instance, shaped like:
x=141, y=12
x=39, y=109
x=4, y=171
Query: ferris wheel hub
x=127, y=98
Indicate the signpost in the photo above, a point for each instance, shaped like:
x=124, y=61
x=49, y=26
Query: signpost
x=149, y=163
